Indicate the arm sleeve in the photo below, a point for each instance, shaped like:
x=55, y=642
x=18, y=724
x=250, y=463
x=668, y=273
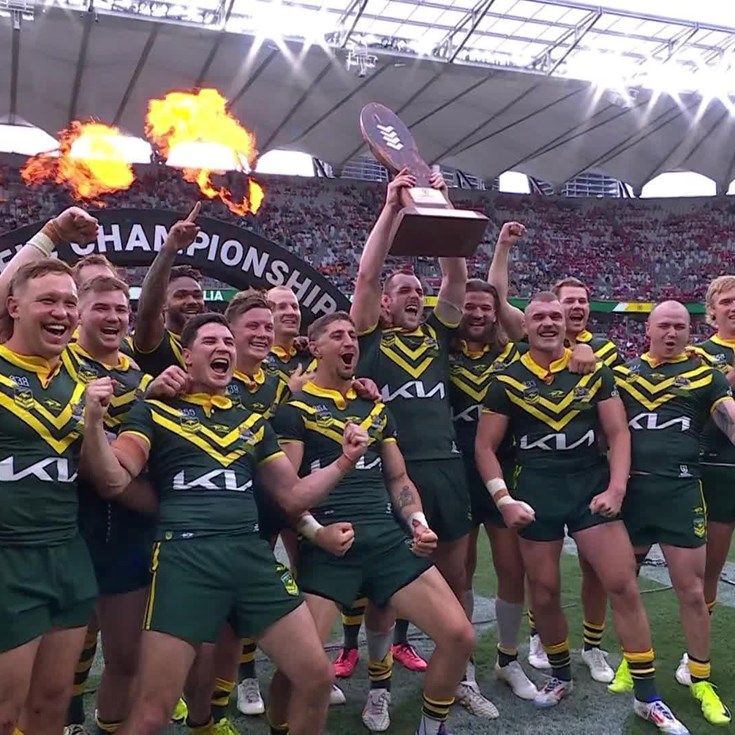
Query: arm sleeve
x=608, y=389
x=267, y=447
x=369, y=343
x=390, y=434
x=496, y=399
x=719, y=390
x=139, y=422
x=288, y=423
x=444, y=332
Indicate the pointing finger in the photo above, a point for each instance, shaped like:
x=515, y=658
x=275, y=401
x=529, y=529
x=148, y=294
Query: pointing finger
x=194, y=212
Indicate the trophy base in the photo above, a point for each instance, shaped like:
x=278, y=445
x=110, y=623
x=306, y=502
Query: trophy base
x=437, y=232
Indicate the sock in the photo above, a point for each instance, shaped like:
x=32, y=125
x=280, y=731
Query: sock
x=247, y=659
x=469, y=603
x=508, y=618
x=75, y=713
x=560, y=660
x=202, y=729
x=532, y=624
x=592, y=635
x=643, y=672
x=433, y=713
x=699, y=670
x=276, y=729
x=106, y=726
x=352, y=622
x=400, y=632
x=470, y=674
x=221, y=698
x=711, y=606
x=380, y=658
x=506, y=656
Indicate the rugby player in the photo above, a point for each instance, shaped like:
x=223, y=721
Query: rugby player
x=564, y=483
x=169, y=297
x=205, y=453
x=288, y=355
x=480, y=351
x=669, y=395
x=119, y=538
x=587, y=350
x=378, y=560
x=42, y=624
x=409, y=362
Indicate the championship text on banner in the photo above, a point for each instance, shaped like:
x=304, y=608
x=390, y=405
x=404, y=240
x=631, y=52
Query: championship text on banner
x=238, y=257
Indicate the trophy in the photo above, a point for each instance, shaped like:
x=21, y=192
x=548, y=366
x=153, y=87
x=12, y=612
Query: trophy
x=427, y=224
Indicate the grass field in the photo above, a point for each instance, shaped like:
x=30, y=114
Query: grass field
x=589, y=711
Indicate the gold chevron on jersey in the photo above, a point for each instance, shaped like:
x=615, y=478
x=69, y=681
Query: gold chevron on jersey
x=238, y=440
x=652, y=392
x=473, y=382
x=413, y=360
x=606, y=350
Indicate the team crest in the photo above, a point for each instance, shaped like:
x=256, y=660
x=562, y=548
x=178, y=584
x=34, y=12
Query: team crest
x=388, y=338
x=478, y=368
x=681, y=386
x=189, y=423
x=259, y=407
x=432, y=347
x=719, y=361
x=633, y=374
x=220, y=429
x=530, y=392
x=23, y=397
x=557, y=394
x=498, y=365
x=322, y=417
x=657, y=376
x=87, y=373
x=581, y=398
x=699, y=522
x=248, y=437
x=52, y=404
x=288, y=580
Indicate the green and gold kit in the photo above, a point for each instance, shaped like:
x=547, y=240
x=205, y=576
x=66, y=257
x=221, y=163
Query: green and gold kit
x=167, y=353
x=203, y=454
x=668, y=405
x=126, y=346
x=261, y=393
x=553, y=413
x=470, y=374
x=40, y=437
x=605, y=349
x=411, y=370
x=284, y=362
x=316, y=417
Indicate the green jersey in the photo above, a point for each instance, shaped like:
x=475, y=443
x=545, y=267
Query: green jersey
x=553, y=413
x=262, y=393
x=470, y=374
x=167, y=353
x=204, y=451
x=668, y=405
x=605, y=349
x=98, y=517
x=316, y=417
x=284, y=362
x=717, y=448
x=40, y=437
x=411, y=370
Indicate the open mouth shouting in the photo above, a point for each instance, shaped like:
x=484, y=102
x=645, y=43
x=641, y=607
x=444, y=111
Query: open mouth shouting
x=220, y=366
x=56, y=331
x=348, y=358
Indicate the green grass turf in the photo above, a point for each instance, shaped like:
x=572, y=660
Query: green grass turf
x=589, y=711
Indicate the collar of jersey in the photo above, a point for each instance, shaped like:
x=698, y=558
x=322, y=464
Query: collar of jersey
x=282, y=354
x=207, y=401
x=472, y=353
x=406, y=333
x=722, y=341
x=654, y=363
x=33, y=364
x=123, y=361
x=334, y=395
x=257, y=379
x=584, y=336
x=556, y=367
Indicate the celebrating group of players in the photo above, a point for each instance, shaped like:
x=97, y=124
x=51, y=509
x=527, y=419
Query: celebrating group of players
x=144, y=483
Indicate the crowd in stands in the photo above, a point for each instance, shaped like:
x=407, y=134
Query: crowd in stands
x=644, y=250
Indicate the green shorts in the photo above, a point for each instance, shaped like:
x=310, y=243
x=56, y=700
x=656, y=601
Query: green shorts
x=379, y=564
x=718, y=485
x=200, y=583
x=44, y=587
x=665, y=510
x=561, y=501
x=482, y=505
x=443, y=488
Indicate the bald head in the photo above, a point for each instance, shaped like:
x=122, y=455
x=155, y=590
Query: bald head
x=668, y=330
x=286, y=314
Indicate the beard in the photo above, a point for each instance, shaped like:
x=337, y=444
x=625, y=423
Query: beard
x=487, y=336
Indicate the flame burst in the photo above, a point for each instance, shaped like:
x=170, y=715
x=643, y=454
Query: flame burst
x=202, y=117
x=89, y=160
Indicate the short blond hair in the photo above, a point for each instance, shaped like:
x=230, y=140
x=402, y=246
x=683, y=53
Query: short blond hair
x=718, y=286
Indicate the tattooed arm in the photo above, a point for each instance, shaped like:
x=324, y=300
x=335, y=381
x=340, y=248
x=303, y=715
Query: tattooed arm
x=403, y=492
x=724, y=417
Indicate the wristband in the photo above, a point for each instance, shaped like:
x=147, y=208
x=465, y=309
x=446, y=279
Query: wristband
x=417, y=517
x=506, y=500
x=42, y=243
x=495, y=486
x=308, y=526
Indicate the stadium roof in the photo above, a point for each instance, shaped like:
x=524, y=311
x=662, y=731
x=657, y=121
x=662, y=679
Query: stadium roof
x=550, y=88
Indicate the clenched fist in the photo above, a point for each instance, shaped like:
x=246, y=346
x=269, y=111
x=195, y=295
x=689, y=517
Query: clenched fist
x=75, y=225
x=354, y=442
x=97, y=398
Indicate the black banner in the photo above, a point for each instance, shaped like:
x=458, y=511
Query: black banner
x=132, y=237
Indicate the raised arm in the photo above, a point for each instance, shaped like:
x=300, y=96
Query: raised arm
x=365, y=309
x=510, y=318
x=614, y=425
x=149, y=325
x=109, y=467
